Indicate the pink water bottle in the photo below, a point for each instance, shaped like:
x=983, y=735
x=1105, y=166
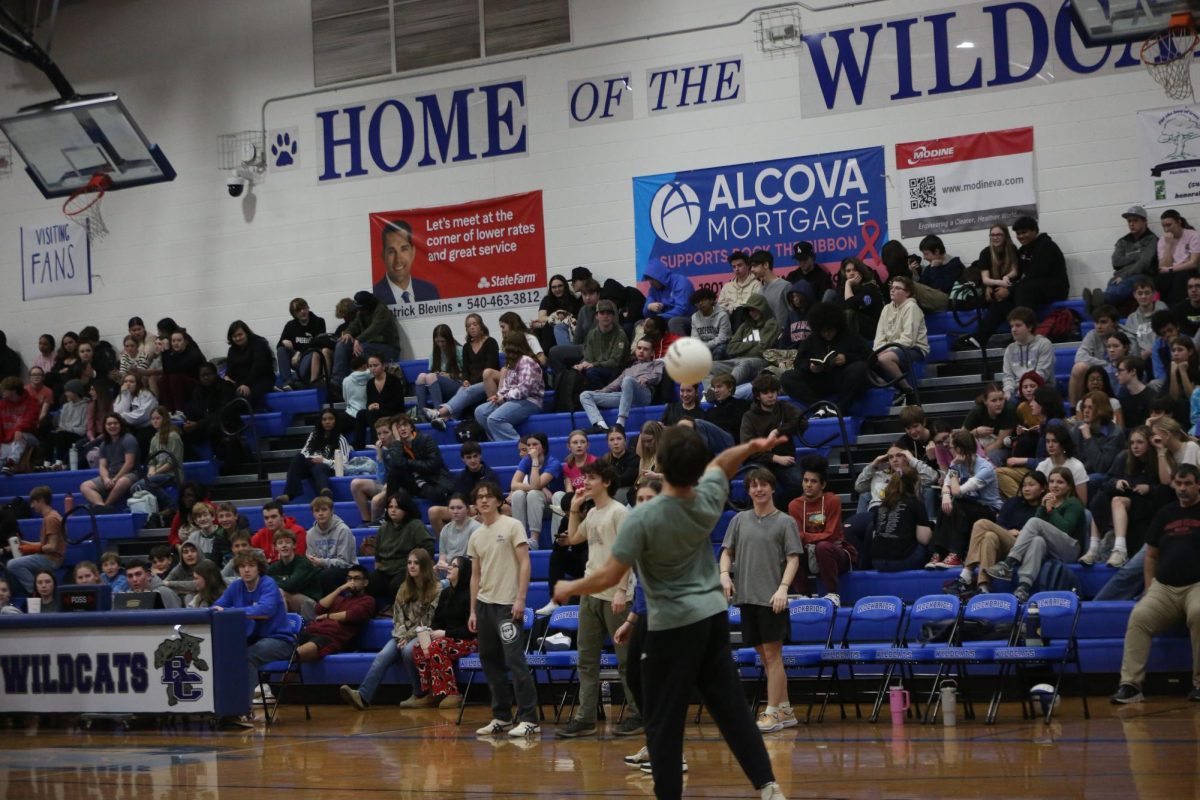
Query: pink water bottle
x=898, y=701
x=68, y=503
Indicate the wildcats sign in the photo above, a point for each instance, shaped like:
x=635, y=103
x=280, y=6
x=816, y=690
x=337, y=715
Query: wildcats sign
x=694, y=220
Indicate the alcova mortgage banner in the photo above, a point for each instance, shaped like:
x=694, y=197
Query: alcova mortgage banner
x=965, y=183
x=693, y=220
x=485, y=254
x=1169, y=146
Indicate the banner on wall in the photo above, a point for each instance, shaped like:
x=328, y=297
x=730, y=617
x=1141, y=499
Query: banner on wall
x=1169, y=144
x=56, y=260
x=693, y=220
x=482, y=255
x=965, y=183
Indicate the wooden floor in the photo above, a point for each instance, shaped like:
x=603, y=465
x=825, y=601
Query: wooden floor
x=1150, y=750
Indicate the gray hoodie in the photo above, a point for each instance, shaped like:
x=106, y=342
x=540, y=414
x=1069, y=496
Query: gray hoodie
x=335, y=546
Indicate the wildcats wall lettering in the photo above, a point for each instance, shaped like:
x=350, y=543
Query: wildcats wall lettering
x=876, y=63
x=105, y=673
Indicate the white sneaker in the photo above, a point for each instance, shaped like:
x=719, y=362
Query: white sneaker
x=263, y=692
x=640, y=757
x=835, y=598
x=525, y=729
x=494, y=728
x=431, y=413
x=787, y=717
x=1117, y=559
x=547, y=609
x=768, y=722
x=772, y=792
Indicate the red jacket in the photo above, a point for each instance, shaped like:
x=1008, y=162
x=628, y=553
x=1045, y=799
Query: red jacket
x=265, y=540
x=18, y=415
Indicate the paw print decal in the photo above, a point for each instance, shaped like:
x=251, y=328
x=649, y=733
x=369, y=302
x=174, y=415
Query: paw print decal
x=284, y=150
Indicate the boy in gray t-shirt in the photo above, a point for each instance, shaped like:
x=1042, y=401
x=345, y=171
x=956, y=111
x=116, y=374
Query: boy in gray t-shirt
x=766, y=545
x=452, y=542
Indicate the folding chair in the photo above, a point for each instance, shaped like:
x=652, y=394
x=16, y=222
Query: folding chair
x=875, y=623
x=1058, y=613
x=932, y=609
x=564, y=619
x=743, y=658
x=472, y=666
x=811, y=622
x=983, y=612
x=279, y=672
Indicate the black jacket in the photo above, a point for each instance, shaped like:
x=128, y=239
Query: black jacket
x=425, y=462
x=1042, y=260
x=451, y=613
x=252, y=365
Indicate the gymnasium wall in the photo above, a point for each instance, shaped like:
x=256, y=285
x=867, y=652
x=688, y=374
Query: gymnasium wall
x=190, y=71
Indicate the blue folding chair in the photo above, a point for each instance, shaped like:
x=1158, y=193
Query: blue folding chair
x=472, y=666
x=564, y=619
x=875, y=623
x=988, y=623
x=743, y=658
x=811, y=622
x=938, y=611
x=1058, y=615
x=280, y=672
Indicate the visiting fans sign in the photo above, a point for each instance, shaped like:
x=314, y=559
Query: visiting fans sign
x=1169, y=144
x=965, y=183
x=481, y=255
x=693, y=220
x=56, y=260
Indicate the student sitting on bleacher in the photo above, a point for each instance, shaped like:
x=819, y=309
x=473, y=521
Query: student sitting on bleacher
x=710, y=323
x=768, y=415
x=18, y=423
x=633, y=387
x=181, y=364
x=209, y=584
x=49, y=549
x=473, y=472
x=1028, y=352
x=686, y=407
x=1126, y=501
x=331, y=547
x=1183, y=376
x=537, y=476
x=373, y=331
x=206, y=420
x=401, y=533
x=297, y=577
x=111, y=572
x=181, y=578
x=207, y=538
x=273, y=522
x=519, y=395
x=625, y=462
x=834, y=361
x=316, y=459
x=412, y=611
x=43, y=394
x=141, y=579
x=1138, y=324
x=71, y=424
x=229, y=521
x=1133, y=395
x=1096, y=379
x=117, y=465
x=134, y=403
x=818, y=515
x=456, y=533
x=1053, y=532
x=249, y=365
x=993, y=421
x=726, y=411
x=6, y=606
x=1060, y=452
x=860, y=296
x=385, y=398
x=239, y=542
x=445, y=376
x=604, y=348
x=901, y=323
x=369, y=493
x=354, y=395
x=415, y=464
x=1097, y=438
x=902, y=530
x=450, y=638
x=796, y=328
x=991, y=540
x=338, y=617
x=1093, y=351
x=646, y=449
x=745, y=349
x=969, y=493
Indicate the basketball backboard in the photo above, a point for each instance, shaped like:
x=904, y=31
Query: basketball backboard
x=65, y=142
x=1105, y=22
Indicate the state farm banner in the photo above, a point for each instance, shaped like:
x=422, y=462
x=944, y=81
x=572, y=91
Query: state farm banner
x=485, y=254
x=693, y=220
x=965, y=183
x=1169, y=147
x=56, y=260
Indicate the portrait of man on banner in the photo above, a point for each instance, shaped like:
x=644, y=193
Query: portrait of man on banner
x=398, y=286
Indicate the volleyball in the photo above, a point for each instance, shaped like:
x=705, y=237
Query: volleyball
x=688, y=360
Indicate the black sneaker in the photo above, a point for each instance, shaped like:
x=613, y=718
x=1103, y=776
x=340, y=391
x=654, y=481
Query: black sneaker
x=959, y=587
x=1001, y=571
x=438, y=424
x=575, y=728
x=633, y=726
x=597, y=428
x=1128, y=693
x=1194, y=694
x=1022, y=592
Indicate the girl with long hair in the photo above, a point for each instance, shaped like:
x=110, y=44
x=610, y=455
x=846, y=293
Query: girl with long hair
x=902, y=529
x=647, y=453
x=450, y=639
x=533, y=485
x=445, y=375
x=209, y=584
x=1178, y=256
x=117, y=464
x=316, y=459
x=969, y=493
x=480, y=353
x=519, y=395
x=1127, y=500
x=991, y=540
x=993, y=420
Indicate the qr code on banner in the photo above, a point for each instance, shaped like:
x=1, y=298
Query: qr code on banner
x=922, y=192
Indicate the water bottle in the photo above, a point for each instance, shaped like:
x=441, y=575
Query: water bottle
x=339, y=463
x=73, y=457
x=606, y=693
x=68, y=502
x=898, y=701
x=1033, y=626
x=14, y=546
x=949, y=704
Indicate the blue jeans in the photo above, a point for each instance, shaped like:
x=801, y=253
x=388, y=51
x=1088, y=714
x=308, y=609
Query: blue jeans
x=302, y=371
x=562, y=334
x=501, y=421
x=1128, y=583
x=463, y=399
x=24, y=568
x=1121, y=290
x=632, y=393
x=264, y=651
x=384, y=659
x=431, y=395
x=345, y=351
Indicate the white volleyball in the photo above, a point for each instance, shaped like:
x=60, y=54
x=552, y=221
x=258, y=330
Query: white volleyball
x=688, y=360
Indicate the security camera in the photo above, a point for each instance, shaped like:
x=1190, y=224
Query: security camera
x=236, y=184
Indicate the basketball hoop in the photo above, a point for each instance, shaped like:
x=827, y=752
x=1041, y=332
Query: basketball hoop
x=1168, y=56
x=83, y=206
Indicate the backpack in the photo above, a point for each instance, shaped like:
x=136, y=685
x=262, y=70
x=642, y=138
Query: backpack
x=1060, y=325
x=1056, y=576
x=566, y=391
x=12, y=511
x=468, y=430
x=965, y=296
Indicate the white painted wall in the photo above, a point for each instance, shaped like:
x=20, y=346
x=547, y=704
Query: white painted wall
x=190, y=71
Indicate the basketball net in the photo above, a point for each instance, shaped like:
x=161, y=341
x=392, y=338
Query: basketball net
x=83, y=206
x=1168, y=56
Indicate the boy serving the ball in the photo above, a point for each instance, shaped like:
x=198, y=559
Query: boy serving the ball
x=687, y=646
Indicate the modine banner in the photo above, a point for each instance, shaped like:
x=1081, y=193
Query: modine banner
x=968, y=48
x=694, y=220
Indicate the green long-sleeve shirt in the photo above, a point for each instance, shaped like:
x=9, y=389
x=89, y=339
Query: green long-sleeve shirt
x=393, y=544
x=297, y=577
x=602, y=349
x=378, y=328
x=1066, y=517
